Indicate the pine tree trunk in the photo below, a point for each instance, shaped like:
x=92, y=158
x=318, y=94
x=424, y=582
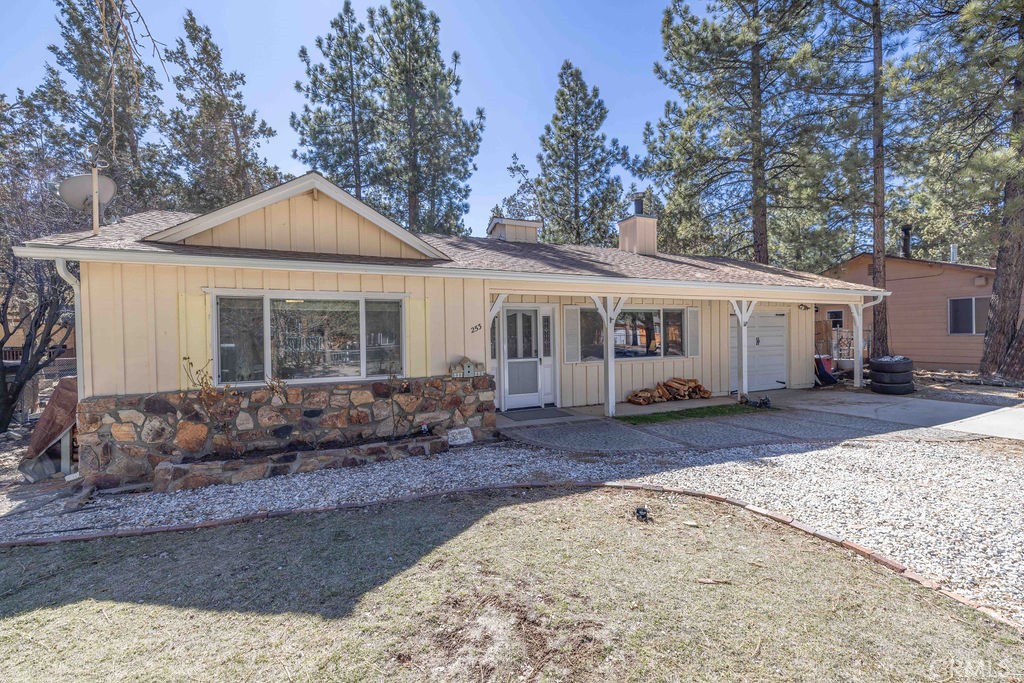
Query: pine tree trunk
x=413, y=180
x=880, y=321
x=758, y=175
x=357, y=175
x=1012, y=365
x=1003, y=340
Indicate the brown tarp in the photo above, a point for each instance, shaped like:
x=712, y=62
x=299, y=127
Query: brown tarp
x=58, y=416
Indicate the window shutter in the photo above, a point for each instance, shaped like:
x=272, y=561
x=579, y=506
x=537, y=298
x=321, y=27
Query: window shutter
x=692, y=331
x=572, y=334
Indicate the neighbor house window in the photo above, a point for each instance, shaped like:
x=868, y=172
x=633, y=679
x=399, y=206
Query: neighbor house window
x=309, y=338
x=835, y=318
x=638, y=334
x=968, y=315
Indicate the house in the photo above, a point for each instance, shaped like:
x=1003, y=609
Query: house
x=937, y=312
x=330, y=322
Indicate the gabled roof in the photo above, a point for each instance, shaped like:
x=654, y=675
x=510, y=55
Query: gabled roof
x=461, y=257
x=304, y=183
x=159, y=237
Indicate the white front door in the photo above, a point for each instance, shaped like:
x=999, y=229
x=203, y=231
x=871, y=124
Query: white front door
x=767, y=352
x=528, y=357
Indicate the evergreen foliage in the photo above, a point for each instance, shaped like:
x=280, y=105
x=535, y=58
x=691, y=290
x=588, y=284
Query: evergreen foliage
x=727, y=153
x=111, y=103
x=577, y=193
x=427, y=144
x=214, y=138
x=337, y=126
x=967, y=83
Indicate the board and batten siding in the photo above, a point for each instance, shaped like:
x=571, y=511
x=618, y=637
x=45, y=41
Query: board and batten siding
x=304, y=224
x=583, y=383
x=141, y=320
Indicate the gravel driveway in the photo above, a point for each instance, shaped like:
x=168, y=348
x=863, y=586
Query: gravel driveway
x=943, y=504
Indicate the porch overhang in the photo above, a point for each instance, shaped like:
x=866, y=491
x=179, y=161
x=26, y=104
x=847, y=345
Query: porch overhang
x=609, y=304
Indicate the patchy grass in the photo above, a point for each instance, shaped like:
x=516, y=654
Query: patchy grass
x=527, y=585
x=703, y=411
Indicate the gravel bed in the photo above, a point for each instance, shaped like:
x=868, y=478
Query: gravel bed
x=947, y=509
x=951, y=511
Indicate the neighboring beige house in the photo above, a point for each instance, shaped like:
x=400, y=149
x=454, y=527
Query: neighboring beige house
x=937, y=311
x=306, y=284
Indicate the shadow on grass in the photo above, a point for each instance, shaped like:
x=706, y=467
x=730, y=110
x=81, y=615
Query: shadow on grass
x=324, y=564
x=319, y=563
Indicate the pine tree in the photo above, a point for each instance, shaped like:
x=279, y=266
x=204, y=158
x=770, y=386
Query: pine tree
x=113, y=101
x=522, y=203
x=427, y=145
x=969, y=77
x=577, y=194
x=337, y=126
x=214, y=137
x=35, y=303
x=725, y=152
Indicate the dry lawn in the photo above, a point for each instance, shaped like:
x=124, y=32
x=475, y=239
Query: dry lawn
x=527, y=585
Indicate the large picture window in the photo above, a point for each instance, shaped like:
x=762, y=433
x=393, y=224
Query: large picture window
x=968, y=315
x=309, y=338
x=639, y=334
x=314, y=338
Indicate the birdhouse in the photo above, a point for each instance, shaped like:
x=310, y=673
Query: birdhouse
x=479, y=369
x=465, y=368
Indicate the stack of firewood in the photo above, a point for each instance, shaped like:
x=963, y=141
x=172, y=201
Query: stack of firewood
x=675, y=389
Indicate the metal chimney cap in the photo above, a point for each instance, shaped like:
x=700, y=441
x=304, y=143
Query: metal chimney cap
x=638, y=203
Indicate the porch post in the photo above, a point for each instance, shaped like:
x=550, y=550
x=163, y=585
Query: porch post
x=609, y=309
x=857, y=310
x=744, y=309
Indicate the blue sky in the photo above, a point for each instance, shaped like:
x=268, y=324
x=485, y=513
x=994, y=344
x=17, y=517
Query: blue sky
x=511, y=52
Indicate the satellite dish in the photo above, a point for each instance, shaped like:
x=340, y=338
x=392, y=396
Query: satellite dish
x=76, y=191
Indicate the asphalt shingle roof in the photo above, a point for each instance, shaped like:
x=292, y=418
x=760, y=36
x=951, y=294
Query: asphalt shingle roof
x=470, y=253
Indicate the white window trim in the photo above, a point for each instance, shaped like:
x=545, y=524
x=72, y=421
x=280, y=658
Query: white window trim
x=269, y=294
x=974, y=314
x=642, y=359
x=842, y=318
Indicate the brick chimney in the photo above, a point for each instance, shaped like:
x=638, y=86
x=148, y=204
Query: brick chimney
x=639, y=233
x=513, y=229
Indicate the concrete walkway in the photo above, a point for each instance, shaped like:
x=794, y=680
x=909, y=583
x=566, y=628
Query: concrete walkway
x=807, y=416
x=972, y=418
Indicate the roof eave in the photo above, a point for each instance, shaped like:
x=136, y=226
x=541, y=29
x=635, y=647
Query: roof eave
x=177, y=259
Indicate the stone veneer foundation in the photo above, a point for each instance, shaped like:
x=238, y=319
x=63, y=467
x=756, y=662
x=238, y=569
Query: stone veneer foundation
x=169, y=476
x=123, y=439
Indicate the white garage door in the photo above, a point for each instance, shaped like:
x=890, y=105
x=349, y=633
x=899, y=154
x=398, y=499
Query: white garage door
x=766, y=352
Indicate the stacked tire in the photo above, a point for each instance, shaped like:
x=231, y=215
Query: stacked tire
x=892, y=375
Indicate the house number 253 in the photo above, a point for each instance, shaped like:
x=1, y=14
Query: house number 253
x=476, y=328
